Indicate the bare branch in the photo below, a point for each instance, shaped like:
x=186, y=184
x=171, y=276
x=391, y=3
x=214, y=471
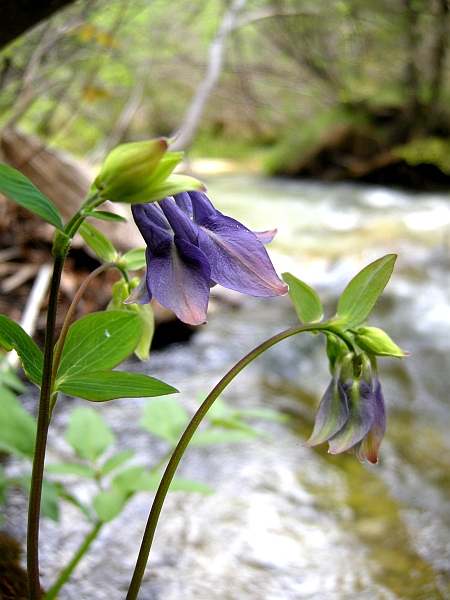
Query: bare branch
x=122, y=123
x=216, y=55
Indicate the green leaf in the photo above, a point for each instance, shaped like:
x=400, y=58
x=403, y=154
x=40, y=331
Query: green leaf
x=99, y=386
x=116, y=461
x=67, y=468
x=51, y=493
x=134, y=259
x=17, y=427
x=136, y=480
x=109, y=504
x=189, y=485
x=165, y=418
x=238, y=425
x=104, y=215
x=9, y=378
x=128, y=481
x=13, y=336
x=361, y=294
x=20, y=189
x=306, y=302
x=264, y=414
x=99, y=243
x=218, y=409
x=99, y=341
x=88, y=434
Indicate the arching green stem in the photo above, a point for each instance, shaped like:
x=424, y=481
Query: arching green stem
x=186, y=438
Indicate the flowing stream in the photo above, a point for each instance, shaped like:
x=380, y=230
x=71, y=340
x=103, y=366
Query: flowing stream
x=288, y=522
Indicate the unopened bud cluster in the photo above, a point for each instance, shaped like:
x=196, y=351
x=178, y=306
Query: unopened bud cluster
x=352, y=414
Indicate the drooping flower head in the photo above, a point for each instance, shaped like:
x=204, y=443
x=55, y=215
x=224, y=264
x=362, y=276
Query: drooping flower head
x=191, y=246
x=351, y=414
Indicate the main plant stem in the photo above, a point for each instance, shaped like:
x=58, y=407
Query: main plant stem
x=60, y=249
x=43, y=421
x=177, y=455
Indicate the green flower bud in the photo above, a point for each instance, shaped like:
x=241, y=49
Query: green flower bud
x=128, y=167
x=121, y=290
x=142, y=172
x=376, y=341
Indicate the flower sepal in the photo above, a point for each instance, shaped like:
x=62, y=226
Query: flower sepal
x=174, y=184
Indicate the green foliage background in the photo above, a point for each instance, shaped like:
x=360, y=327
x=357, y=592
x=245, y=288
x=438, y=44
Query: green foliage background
x=70, y=79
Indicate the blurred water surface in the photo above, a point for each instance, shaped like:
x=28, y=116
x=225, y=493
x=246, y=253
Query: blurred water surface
x=287, y=522
x=326, y=233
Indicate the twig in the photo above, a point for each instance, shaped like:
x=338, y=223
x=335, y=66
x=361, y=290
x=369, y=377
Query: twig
x=33, y=307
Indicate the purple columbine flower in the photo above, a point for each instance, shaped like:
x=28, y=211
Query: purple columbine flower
x=191, y=246
x=352, y=414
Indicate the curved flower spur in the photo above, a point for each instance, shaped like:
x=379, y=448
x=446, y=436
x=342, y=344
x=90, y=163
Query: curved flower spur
x=192, y=246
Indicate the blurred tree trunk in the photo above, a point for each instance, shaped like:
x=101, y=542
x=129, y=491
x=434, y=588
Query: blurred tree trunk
x=20, y=15
x=122, y=123
x=412, y=79
x=441, y=45
x=216, y=55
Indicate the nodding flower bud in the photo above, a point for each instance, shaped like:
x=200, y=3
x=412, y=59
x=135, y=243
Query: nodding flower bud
x=142, y=172
x=351, y=415
x=376, y=341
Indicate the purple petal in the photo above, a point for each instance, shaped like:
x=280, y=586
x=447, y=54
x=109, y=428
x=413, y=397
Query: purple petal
x=202, y=207
x=238, y=259
x=332, y=414
x=362, y=404
x=183, y=200
x=140, y=294
x=266, y=236
x=181, y=224
x=152, y=223
x=371, y=443
x=178, y=275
